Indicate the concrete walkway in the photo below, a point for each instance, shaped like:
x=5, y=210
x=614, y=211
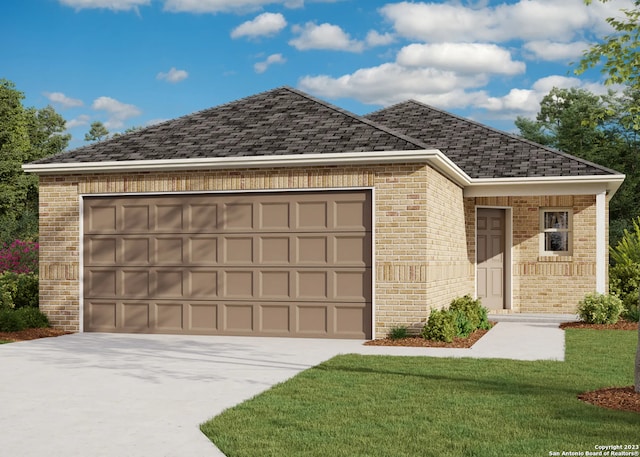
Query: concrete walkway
x=116, y=395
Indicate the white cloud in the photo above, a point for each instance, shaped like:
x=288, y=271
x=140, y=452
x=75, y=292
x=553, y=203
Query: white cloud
x=391, y=83
x=526, y=102
x=324, y=36
x=377, y=39
x=461, y=57
x=553, y=51
x=266, y=24
x=261, y=67
x=173, y=75
x=62, y=100
x=81, y=120
x=117, y=111
x=220, y=6
x=528, y=20
x=115, y=5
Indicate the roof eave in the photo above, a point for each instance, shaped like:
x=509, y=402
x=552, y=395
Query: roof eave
x=562, y=185
x=244, y=162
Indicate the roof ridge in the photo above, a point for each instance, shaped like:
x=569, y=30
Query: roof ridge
x=501, y=132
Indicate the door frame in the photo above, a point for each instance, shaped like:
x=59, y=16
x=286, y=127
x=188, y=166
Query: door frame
x=508, y=253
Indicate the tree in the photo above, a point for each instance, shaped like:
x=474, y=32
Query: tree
x=594, y=128
x=618, y=54
x=97, y=132
x=26, y=134
x=620, y=60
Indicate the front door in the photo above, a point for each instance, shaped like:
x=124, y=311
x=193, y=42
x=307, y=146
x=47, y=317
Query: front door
x=490, y=257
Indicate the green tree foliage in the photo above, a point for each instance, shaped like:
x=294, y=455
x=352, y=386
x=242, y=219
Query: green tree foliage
x=97, y=132
x=26, y=134
x=617, y=54
x=595, y=128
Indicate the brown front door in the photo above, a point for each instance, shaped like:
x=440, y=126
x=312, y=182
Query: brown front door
x=490, y=257
x=279, y=264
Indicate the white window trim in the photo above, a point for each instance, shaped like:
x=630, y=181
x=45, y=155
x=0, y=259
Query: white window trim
x=569, y=230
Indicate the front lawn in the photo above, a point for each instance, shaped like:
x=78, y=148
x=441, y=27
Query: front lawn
x=356, y=405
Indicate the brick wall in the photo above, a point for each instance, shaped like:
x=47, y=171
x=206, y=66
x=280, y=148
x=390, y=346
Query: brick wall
x=424, y=239
x=413, y=217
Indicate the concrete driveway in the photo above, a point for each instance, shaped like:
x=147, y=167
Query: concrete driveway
x=118, y=395
x=122, y=395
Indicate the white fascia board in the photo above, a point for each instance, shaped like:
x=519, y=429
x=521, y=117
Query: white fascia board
x=567, y=185
x=239, y=162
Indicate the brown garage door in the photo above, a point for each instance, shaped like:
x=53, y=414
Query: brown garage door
x=279, y=264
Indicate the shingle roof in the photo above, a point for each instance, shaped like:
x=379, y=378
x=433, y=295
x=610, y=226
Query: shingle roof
x=481, y=151
x=281, y=121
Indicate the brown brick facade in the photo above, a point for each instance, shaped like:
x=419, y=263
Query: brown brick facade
x=424, y=236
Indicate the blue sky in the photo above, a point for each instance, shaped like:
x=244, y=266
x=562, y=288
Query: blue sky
x=136, y=62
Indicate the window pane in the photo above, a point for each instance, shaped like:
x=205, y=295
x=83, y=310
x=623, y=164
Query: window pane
x=556, y=241
x=556, y=219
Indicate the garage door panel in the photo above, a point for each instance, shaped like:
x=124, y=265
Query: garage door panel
x=203, y=250
x=135, y=316
x=101, y=282
x=238, y=250
x=274, y=216
x=274, y=284
x=203, y=217
x=238, y=317
x=274, y=250
x=203, y=317
x=287, y=264
x=169, y=317
x=203, y=284
x=100, y=316
x=169, y=283
x=312, y=319
x=135, y=283
x=275, y=319
x=135, y=218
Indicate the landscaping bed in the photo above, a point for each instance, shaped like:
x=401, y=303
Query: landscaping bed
x=418, y=341
x=31, y=334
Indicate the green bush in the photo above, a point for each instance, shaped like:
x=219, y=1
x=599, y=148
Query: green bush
x=624, y=280
x=464, y=327
x=398, y=333
x=600, y=309
x=441, y=326
x=474, y=311
x=18, y=290
x=14, y=320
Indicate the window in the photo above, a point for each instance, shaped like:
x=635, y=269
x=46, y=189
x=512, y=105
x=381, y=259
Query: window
x=556, y=232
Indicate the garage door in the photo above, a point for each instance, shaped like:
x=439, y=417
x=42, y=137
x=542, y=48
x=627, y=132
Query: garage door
x=277, y=264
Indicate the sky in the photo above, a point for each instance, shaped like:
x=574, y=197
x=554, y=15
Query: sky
x=133, y=63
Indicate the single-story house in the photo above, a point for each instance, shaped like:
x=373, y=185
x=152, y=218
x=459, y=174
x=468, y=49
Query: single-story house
x=281, y=214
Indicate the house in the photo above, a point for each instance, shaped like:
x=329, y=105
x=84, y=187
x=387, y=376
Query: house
x=280, y=214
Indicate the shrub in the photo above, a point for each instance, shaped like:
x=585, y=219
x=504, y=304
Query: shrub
x=464, y=327
x=600, y=309
x=474, y=311
x=627, y=251
x=398, y=333
x=19, y=257
x=18, y=290
x=32, y=317
x=441, y=326
x=19, y=319
x=624, y=281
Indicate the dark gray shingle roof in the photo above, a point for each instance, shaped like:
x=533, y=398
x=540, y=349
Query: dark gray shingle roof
x=480, y=151
x=281, y=121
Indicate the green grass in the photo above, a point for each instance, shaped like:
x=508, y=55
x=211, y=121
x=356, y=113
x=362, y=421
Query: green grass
x=409, y=406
